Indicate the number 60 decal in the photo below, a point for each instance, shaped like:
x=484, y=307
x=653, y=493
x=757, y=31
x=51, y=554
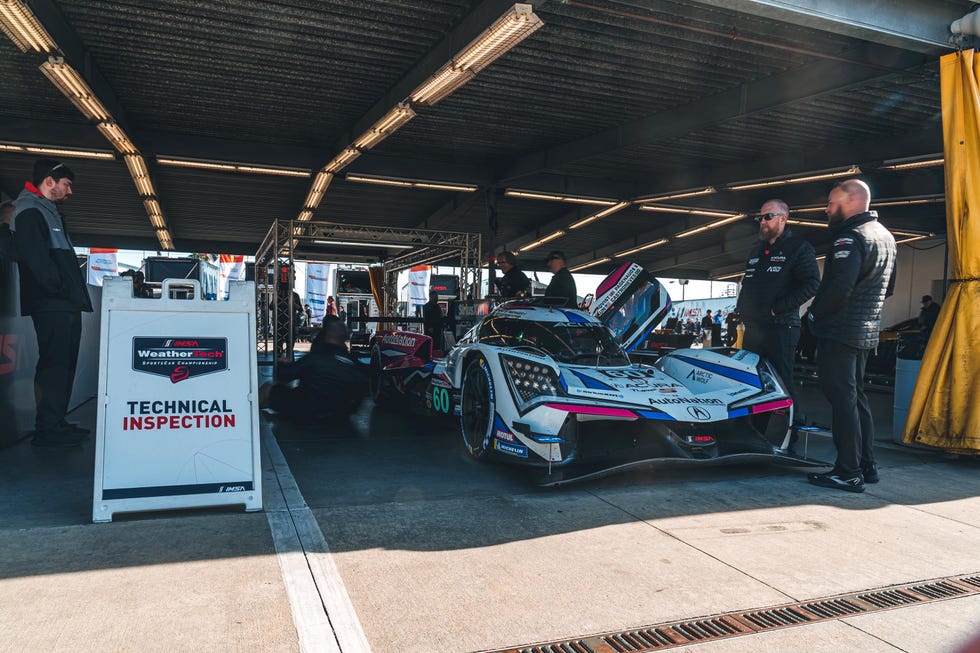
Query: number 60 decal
x=440, y=400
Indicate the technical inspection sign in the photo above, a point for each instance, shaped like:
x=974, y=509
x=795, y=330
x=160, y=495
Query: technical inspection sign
x=178, y=418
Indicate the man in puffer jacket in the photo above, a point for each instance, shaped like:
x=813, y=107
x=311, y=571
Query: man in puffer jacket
x=858, y=275
x=53, y=294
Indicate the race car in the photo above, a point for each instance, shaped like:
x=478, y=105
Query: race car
x=540, y=384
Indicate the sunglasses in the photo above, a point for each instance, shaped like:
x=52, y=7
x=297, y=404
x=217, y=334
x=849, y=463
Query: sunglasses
x=766, y=217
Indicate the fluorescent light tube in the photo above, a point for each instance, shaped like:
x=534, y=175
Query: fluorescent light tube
x=817, y=175
x=342, y=160
x=598, y=216
x=913, y=162
x=707, y=227
x=73, y=87
x=20, y=25
x=729, y=276
x=388, y=124
x=446, y=80
x=651, y=245
x=61, y=152
x=542, y=241
x=117, y=137
x=514, y=26
x=411, y=183
x=711, y=213
x=589, y=265
x=574, y=199
x=693, y=192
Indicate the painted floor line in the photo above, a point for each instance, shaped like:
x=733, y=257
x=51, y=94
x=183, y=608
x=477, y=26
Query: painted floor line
x=324, y=616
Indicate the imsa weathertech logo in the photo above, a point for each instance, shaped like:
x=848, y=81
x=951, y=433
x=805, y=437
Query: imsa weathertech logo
x=180, y=358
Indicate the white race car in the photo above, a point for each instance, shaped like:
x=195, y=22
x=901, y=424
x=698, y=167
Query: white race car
x=535, y=383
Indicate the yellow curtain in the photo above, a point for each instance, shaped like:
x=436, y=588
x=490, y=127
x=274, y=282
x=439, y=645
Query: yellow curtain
x=945, y=411
x=377, y=276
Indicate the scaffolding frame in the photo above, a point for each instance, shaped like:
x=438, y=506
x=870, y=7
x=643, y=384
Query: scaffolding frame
x=283, y=246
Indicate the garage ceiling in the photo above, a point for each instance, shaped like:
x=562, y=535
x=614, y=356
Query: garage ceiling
x=614, y=99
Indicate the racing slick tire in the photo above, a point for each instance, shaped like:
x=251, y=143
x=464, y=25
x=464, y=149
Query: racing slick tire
x=477, y=407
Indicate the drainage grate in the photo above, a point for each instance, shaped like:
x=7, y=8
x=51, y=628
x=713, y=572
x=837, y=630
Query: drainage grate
x=734, y=624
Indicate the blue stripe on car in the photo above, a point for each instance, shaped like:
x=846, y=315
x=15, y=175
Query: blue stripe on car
x=727, y=372
x=575, y=317
x=592, y=383
x=655, y=414
x=738, y=412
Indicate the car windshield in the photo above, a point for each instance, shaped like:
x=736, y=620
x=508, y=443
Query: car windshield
x=567, y=342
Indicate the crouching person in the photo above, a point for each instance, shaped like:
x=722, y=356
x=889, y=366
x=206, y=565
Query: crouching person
x=331, y=383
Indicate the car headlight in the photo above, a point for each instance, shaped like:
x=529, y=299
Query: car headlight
x=770, y=380
x=530, y=379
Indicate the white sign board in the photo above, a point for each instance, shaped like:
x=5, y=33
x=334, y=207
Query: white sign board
x=178, y=419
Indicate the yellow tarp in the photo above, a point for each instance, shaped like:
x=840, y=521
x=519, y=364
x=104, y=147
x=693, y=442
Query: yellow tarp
x=377, y=276
x=945, y=408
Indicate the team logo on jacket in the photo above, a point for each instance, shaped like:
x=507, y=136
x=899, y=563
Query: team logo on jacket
x=180, y=358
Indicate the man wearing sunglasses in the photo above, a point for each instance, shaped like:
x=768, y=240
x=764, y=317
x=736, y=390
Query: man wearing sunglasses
x=53, y=294
x=780, y=276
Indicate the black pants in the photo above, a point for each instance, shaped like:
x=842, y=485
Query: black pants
x=841, y=370
x=58, y=337
x=777, y=343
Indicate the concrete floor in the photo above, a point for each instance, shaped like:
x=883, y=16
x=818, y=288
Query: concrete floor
x=436, y=552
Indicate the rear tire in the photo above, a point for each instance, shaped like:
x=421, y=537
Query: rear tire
x=477, y=408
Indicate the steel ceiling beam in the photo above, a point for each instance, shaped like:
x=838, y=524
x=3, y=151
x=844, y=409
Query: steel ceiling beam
x=916, y=25
x=870, y=61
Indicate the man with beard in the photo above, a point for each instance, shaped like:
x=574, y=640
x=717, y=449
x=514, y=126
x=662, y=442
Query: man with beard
x=858, y=275
x=514, y=283
x=53, y=294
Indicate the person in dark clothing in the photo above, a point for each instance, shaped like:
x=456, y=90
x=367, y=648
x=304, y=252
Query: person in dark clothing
x=514, y=283
x=53, y=293
x=707, y=322
x=432, y=320
x=928, y=315
x=140, y=289
x=562, y=283
x=331, y=384
x=716, y=331
x=780, y=276
x=845, y=316
x=732, y=320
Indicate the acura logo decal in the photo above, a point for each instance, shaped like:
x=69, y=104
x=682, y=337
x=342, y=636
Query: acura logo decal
x=698, y=413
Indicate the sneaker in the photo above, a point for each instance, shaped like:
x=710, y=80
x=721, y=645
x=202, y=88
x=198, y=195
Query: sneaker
x=870, y=473
x=72, y=428
x=832, y=480
x=56, y=439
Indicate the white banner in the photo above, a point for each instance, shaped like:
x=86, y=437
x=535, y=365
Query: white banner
x=232, y=269
x=318, y=284
x=695, y=309
x=101, y=263
x=418, y=286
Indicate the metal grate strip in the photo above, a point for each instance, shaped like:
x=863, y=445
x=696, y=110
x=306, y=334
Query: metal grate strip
x=734, y=624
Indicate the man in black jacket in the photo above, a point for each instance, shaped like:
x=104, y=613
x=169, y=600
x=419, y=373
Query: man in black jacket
x=858, y=275
x=53, y=293
x=514, y=283
x=781, y=275
x=562, y=283
x=433, y=320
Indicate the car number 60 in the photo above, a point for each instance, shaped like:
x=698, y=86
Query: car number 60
x=440, y=400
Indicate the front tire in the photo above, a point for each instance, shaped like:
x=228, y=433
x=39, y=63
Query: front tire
x=477, y=407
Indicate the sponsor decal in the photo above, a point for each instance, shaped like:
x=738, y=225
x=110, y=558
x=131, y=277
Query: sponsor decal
x=740, y=354
x=638, y=373
x=686, y=400
x=844, y=253
x=739, y=392
x=698, y=413
x=777, y=259
x=441, y=402
x=399, y=340
x=505, y=436
x=753, y=261
x=843, y=241
x=11, y=353
x=512, y=449
x=700, y=376
x=589, y=392
x=180, y=358
x=774, y=268
x=178, y=414
x=667, y=390
x=616, y=292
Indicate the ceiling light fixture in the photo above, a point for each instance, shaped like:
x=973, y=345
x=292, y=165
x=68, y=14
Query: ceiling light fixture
x=514, y=26
x=913, y=162
x=589, y=265
x=924, y=234
x=230, y=166
x=641, y=248
x=351, y=243
x=140, y=175
x=910, y=201
x=711, y=213
x=542, y=241
x=615, y=208
x=21, y=26
x=166, y=242
x=152, y=206
x=73, y=87
x=411, y=183
x=910, y=239
x=117, y=137
x=574, y=199
x=691, y=192
x=817, y=175
x=806, y=223
x=305, y=215
x=57, y=151
x=707, y=227
x=342, y=160
x=385, y=127
x=319, y=187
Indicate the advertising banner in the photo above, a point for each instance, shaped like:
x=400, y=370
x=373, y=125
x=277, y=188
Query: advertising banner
x=102, y=263
x=418, y=286
x=318, y=284
x=232, y=269
x=177, y=415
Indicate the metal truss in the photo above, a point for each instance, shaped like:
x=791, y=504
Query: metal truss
x=288, y=241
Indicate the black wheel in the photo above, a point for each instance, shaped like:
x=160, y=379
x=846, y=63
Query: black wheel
x=477, y=407
x=375, y=378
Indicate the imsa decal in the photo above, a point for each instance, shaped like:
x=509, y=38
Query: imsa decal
x=180, y=358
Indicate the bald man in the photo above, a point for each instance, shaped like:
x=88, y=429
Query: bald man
x=858, y=275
